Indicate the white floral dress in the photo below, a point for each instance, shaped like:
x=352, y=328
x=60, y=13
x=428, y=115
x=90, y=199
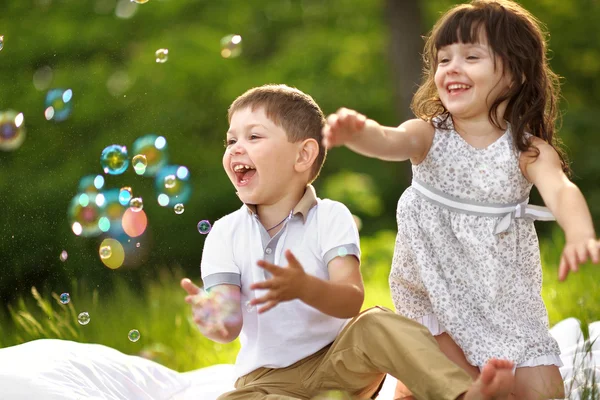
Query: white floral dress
x=453, y=273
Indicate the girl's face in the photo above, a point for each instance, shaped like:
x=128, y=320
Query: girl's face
x=467, y=80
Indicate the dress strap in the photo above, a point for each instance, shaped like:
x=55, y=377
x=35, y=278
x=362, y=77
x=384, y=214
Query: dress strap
x=506, y=212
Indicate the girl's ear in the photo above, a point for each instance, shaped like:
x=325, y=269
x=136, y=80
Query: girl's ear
x=308, y=151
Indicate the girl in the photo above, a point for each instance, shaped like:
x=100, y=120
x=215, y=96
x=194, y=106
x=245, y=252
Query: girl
x=467, y=262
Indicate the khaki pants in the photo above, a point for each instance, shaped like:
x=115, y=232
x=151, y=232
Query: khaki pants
x=374, y=343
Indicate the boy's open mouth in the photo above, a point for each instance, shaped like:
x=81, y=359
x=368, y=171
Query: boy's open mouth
x=244, y=173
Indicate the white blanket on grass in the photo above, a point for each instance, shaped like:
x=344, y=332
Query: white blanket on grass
x=55, y=369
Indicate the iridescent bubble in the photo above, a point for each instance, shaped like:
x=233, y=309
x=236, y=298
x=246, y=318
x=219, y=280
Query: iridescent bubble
x=140, y=1
x=162, y=55
x=99, y=182
x=64, y=256
x=85, y=212
x=65, y=298
x=42, y=78
x=204, y=227
x=154, y=148
x=231, y=46
x=249, y=307
x=181, y=191
x=1, y=42
x=170, y=181
x=125, y=195
x=179, y=208
x=342, y=251
x=58, y=104
x=137, y=244
x=12, y=130
x=139, y=163
x=134, y=335
x=134, y=222
x=104, y=224
x=117, y=253
x=136, y=204
x=163, y=200
x=114, y=159
x=83, y=318
x=105, y=252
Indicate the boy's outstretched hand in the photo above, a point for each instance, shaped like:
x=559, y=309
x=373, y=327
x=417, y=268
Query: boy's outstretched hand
x=213, y=311
x=341, y=126
x=287, y=283
x=578, y=252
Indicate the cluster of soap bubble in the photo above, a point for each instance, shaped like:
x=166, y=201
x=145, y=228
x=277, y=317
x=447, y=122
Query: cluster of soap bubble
x=215, y=308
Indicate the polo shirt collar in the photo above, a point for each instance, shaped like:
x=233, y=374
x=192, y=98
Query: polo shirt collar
x=308, y=201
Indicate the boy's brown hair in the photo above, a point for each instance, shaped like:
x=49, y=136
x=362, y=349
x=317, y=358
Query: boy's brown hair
x=292, y=110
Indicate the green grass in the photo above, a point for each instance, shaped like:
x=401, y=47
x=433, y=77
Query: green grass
x=169, y=337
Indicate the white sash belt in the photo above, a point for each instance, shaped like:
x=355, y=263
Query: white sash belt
x=506, y=212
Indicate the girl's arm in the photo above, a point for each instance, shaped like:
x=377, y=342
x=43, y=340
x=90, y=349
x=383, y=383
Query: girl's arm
x=567, y=204
x=411, y=140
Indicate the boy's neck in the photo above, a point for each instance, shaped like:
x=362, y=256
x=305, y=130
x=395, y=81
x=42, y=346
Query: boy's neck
x=272, y=214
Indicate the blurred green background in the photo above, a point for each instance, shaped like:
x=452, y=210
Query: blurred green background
x=353, y=53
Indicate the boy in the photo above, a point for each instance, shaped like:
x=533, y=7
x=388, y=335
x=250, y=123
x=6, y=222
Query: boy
x=296, y=256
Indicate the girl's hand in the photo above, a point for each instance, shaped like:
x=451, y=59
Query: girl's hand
x=341, y=127
x=578, y=252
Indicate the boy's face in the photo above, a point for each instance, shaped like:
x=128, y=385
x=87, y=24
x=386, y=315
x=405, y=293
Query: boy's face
x=259, y=160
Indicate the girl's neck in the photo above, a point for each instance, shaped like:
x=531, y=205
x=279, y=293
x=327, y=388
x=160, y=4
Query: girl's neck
x=478, y=127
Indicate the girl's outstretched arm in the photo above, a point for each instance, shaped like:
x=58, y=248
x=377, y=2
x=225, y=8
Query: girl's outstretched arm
x=411, y=140
x=566, y=202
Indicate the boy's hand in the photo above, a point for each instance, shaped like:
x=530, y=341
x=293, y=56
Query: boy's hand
x=286, y=284
x=578, y=252
x=341, y=126
x=204, y=309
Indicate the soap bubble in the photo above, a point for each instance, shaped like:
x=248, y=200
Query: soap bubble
x=204, y=227
x=136, y=204
x=162, y=55
x=65, y=298
x=114, y=254
x=85, y=212
x=231, y=46
x=179, y=208
x=105, y=252
x=181, y=190
x=139, y=163
x=12, y=130
x=134, y=335
x=114, y=159
x=63, y=256
x=125, y=195
x=154, y=148
x=58, y=104
x=83, y=318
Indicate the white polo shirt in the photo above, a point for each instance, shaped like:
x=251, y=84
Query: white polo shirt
x=318, y=231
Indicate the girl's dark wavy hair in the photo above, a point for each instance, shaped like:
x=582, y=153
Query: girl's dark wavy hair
x=517, y=38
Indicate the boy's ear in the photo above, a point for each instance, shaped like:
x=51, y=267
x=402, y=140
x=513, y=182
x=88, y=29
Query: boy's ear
x=308, y=151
